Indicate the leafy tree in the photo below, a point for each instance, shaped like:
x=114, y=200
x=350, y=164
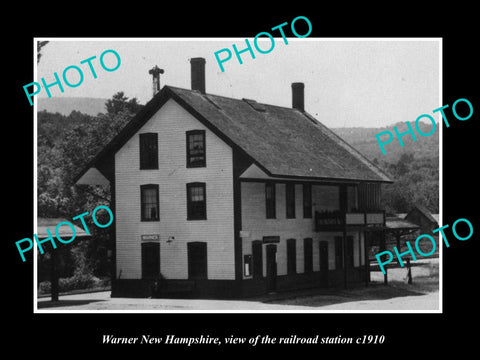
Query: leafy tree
x=416, y=182
x=120, y=103
x=65, y=145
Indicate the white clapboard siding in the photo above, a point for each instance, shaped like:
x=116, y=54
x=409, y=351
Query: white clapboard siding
x=255, y=225
x=171, y=123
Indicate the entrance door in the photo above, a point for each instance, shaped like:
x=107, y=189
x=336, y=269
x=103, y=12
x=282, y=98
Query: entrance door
x=271, y=268
x=323, y=263
x=197, y=260
x=150, y=260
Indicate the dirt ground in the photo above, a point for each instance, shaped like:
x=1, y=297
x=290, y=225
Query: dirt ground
x=421, y=295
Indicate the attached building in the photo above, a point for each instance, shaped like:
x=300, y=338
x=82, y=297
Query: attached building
x=222, y=197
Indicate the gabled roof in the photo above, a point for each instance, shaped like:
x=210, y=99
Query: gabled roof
x=397, y=223
x=283, y=142
x=424, y=211
x=64, y=232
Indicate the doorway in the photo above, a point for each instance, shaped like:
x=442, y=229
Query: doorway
x=271, y=268
x=150, y=260
x=197, y=260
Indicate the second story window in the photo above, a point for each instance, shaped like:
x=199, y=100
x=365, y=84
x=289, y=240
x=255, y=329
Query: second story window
x=307, y=201
x=308, y=255
x=148, y=151
x=196, y=201
x=196, y=156
x=290, y=200
x=270, y=200
x=150, y=209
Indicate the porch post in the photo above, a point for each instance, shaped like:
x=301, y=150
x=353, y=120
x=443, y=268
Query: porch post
x=343, y=201
x=383, y=248
x=344, y=241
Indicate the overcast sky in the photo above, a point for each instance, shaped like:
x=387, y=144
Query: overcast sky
x=349, y=82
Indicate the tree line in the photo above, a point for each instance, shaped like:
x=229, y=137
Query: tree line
x=65, y=145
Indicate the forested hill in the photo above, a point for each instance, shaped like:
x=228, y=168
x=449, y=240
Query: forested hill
x=363, y=139
x=65, y=105
x=414, y=168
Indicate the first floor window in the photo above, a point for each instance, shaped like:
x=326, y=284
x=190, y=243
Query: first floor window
x=308, y=254
x=291, y=256
x=196, y=201
x=340, y=261
x=323, y=253
x=149, y=202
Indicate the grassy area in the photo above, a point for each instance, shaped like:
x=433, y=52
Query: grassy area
x=75, y=284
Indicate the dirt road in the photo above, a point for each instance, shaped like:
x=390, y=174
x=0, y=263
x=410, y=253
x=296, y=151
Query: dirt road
x=422, y=295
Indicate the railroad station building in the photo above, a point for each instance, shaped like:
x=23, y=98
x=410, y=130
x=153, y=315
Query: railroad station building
x=228, y=198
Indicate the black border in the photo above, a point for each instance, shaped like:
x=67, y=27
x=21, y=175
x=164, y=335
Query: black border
x=58, y=335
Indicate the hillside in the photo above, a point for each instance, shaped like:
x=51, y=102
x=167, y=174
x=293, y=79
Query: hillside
x=65, y=105
x=364, y=140
x=414, y=167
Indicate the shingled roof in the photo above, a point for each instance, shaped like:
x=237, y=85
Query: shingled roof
x=283, y=142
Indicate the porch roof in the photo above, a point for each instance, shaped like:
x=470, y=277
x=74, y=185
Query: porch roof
x=396, y=223
x=63, y=231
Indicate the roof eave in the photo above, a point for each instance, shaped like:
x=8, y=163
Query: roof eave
x=331, y=179
x=127, y=132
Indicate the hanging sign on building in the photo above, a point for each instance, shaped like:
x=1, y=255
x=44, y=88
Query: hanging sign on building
x=151, y=237
x=271, y=239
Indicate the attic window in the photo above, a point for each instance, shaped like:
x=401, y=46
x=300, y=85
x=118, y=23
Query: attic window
x=196, y=149
x=148, y=151
x=255, y=105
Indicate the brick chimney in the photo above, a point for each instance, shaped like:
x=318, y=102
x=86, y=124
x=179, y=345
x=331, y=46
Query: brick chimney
x=198, y=74
x=298, y=99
